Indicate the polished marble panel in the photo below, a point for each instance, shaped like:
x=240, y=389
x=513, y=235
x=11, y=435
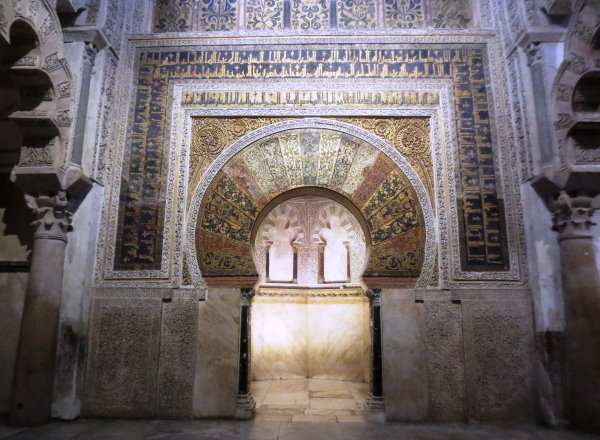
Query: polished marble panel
x=327, y=340
x=217, y=354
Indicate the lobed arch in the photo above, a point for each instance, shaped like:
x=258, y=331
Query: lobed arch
x=217, y=174
x=30, y=33
x=575, y=121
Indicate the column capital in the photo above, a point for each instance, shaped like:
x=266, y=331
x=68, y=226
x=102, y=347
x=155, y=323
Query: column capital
x=572, y=215
x=375, y=296
x=53, y=218
x=247, y=295
x=89, y=53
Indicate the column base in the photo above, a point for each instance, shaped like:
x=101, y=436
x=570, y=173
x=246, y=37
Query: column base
x=244, y=406
x=375, y=407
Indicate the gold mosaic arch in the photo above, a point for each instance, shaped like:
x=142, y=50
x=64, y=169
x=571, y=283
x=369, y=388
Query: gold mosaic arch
x=307, y=157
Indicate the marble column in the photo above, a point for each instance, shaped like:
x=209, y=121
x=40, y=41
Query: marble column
x=34, y=373
x=245, y=402
x=572, y=218
x=375, y=403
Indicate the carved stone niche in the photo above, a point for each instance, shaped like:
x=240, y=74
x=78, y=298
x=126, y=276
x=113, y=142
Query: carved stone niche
x=310, y=241
x=584, y=142
x=586, y=97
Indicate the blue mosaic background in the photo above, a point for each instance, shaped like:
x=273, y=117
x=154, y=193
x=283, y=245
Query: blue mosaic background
x=140, y=229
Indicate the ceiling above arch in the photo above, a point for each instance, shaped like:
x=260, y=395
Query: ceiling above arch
x=307, y=158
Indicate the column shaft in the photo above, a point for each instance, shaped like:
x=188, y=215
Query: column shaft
x=34, y=373
x=572, y=218
x=581, y=290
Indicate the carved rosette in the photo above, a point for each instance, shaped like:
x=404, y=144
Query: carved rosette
x=53, y=219
x=572, y=216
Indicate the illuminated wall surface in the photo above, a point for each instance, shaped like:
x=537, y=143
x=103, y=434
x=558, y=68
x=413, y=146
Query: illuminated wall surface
x=316, y=337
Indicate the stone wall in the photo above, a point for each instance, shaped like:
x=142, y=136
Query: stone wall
x=458, y=355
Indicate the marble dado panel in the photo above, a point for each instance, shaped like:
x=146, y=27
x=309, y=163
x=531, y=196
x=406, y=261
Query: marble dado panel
x=139, y=240
x=457, y=360
x=302, y=15
x=310, y=337
x=217, y=354
x=141, y=355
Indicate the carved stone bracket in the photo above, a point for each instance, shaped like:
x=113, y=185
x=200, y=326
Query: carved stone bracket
x=534, y=54
x=90, y=53
x=572, y=216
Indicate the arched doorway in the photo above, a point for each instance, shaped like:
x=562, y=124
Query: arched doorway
x=310, y=340
x=255, y=174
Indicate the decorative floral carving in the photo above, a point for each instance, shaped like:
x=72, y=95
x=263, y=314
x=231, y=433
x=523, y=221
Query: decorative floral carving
x=63, y=118
x=172, y=16
x=218, y=15
x=403, y=13
x=310, y=14
x=37, y=152
x=451, y=13
x=356, y=14
x=563, y=120
x=53, y=62
x=264, y=14
x=563, y=92
x=577, y=63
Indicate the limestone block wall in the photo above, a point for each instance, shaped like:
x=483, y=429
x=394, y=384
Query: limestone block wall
x=458, y=355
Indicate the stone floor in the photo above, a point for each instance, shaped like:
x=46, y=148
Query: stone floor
x=309, y=400
x=263, y=430
x=296, y=409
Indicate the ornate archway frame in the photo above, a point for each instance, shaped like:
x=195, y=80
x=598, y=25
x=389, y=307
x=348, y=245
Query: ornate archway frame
x=315, y=123
x=178, y=132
